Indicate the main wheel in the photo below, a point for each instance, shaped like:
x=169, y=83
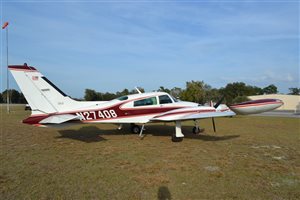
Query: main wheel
x=176, y=139
x=196, y=130
x=135, y=129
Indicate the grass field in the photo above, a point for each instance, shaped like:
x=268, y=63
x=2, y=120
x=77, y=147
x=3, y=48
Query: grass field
x=248, y=158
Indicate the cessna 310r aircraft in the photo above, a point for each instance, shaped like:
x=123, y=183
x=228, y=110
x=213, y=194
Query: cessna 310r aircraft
x=53, y=108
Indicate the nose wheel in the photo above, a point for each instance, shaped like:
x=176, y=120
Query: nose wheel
x=135, y=129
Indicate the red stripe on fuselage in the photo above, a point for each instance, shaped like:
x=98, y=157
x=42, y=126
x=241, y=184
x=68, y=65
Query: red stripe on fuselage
x=120, y=114
x=120, y=104
x=96, y=116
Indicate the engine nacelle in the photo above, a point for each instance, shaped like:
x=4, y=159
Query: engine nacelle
x=256, y=106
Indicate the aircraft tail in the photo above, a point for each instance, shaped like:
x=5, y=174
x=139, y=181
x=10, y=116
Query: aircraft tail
x=41, y=94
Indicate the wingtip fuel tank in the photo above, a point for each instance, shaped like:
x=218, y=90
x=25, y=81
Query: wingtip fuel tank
x=256, y=106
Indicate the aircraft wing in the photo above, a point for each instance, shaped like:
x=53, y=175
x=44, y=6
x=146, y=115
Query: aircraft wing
x=193, y=113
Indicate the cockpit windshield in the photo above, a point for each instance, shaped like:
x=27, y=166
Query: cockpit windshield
x=174, y=99
x=123, y=98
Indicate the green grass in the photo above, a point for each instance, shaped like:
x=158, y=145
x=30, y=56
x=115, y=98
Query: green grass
x=248, y=158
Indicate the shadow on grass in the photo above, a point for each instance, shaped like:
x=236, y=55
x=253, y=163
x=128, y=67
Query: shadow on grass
x=211, y=137
x=85, y=134
x=168, y=131
x=90, y=134
x=163, y=193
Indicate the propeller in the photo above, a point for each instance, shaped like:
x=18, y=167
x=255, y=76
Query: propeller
x=219, y=102
x=216, y=106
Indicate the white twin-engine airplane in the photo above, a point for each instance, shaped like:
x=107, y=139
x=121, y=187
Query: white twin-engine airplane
x=52, y=108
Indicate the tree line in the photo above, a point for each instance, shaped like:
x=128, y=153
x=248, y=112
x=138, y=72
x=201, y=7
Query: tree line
x=195, y=91
x=14, y=97
x=200, y=92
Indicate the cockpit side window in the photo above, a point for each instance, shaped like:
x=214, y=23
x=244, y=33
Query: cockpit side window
x=145, y=102
x=164, y=99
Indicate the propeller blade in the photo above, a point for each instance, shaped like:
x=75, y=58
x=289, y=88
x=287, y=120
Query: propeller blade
x=219, y=102
x=213, y=122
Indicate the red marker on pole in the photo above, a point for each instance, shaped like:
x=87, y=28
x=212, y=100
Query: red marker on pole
x=5, y=25
x=7, y=83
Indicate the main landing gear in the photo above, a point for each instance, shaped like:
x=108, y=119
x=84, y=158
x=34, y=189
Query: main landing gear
x=177, y=136
x=196, y=128
x=176, y=139
x=135, y=129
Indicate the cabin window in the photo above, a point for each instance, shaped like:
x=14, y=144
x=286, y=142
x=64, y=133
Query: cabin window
x=145, y=102
x=164, y=99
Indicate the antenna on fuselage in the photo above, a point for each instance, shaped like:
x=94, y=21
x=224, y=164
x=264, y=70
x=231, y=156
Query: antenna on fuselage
x=137, y=89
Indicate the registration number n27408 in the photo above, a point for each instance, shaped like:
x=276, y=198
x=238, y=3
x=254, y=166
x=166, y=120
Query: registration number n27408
x=99, y=114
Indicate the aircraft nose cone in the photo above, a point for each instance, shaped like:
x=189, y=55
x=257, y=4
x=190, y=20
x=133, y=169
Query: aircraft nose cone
x=279, y=101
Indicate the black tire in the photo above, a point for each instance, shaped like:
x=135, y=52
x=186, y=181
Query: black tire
x=176, y=139
x=135, y=129
x=196, y=130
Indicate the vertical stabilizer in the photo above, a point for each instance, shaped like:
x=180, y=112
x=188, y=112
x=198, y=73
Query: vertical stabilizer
x=42, y=95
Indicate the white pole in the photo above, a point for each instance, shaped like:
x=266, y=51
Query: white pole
x=7, y=75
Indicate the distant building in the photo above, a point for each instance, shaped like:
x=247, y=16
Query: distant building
x=291, y=102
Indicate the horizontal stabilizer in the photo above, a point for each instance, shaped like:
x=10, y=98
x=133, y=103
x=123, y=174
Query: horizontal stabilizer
x=58, y=119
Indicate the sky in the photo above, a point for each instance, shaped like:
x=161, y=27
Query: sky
x=108, y=46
